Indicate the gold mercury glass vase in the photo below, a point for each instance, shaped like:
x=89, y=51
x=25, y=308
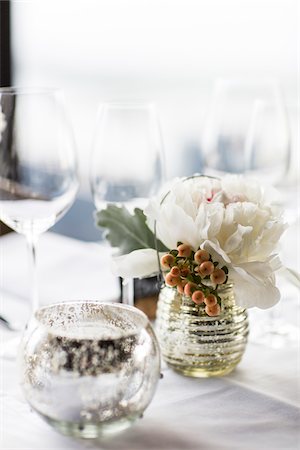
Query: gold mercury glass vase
x=195, y=344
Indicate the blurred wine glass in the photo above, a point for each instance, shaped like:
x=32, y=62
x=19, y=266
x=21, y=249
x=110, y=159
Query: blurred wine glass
x=38, y=177
x=247, y=130
x=268, y=149
x=282, y=170
x=126, y=162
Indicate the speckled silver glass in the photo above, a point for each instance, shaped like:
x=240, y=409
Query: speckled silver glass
x=195, y=344
x=89, y=369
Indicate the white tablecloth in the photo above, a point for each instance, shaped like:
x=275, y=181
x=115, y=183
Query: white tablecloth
x=255, y=407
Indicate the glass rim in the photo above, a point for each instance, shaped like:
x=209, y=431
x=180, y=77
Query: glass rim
x=134, y=312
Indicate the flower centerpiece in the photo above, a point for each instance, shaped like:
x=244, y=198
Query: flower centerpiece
x=214, y=242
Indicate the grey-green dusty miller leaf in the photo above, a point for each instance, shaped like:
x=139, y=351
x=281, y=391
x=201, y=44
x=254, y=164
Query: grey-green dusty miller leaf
x=126, y=231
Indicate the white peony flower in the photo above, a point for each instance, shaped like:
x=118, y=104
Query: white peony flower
x=231, y=218
x=230, y=210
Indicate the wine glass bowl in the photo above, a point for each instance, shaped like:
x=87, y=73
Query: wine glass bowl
x=126, y=163
x=247, y=130
x=38, y=170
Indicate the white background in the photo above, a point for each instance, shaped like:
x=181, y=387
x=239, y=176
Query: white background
x=169, y=51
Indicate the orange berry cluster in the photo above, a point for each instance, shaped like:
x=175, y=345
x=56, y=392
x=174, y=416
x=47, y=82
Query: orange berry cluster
x=195, y=275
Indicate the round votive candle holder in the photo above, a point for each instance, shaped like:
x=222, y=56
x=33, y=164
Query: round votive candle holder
x=89, y=369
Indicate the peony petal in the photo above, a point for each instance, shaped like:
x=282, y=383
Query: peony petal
x=137, y=264
x=234, y=242
x=262, y=270
x=252, y=291
x=174, y=225
x=209, y=219
x=213, y=247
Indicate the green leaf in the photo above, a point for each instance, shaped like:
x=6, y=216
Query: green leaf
x=126, y=231
x=198, y=279
x=225, y=269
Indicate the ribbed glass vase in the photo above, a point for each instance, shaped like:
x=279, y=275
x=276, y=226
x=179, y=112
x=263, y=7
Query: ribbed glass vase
x=195, y=344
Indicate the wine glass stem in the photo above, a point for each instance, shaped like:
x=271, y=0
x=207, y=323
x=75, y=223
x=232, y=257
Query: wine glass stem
x=128, y=292
x=31, y=243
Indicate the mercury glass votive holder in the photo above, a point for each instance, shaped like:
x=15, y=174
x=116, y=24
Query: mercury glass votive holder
x=89, y=369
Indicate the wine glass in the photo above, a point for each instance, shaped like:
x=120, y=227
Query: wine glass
x=268, y=157
x=126, y=163
x=38, y=176
x=247, y=130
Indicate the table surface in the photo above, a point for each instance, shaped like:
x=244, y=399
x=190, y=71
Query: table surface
x=255, y=407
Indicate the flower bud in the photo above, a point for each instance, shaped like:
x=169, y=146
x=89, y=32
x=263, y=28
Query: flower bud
x=167, y=261
x=206, y=268
x=171, y=280
x=198, y=297
x=213, y=310
x=175, y=271
x=184, y=250
x=218, y=276
x=210, y=300
x=201, y=256
x=189, y=288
